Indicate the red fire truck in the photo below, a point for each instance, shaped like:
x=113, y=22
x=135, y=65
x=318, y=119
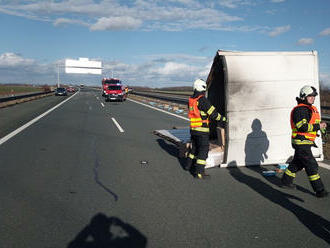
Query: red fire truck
x=113, y=89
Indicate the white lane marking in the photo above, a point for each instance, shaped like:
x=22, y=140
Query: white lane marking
x=20, y=129
x=324, y=165
x=169, y=113
x=117, y=124
x=102, y=104
x=97, y=98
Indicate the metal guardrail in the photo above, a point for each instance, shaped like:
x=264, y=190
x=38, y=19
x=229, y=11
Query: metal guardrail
x=11, y=98
x=166, y=98
x=325, y=117
x=172, y=93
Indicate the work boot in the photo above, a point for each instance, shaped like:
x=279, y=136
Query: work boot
x=202, y=175
x=321, y=194
x=286, y=184
x=188, y=164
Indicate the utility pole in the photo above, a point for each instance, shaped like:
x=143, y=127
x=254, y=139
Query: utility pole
x=58, y=75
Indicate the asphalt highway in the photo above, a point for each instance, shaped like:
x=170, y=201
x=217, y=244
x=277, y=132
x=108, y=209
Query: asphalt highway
x=91, y=174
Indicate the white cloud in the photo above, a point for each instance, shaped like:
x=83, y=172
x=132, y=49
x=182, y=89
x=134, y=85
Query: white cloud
x=205, y=71
x=22, y=14
x=63, y=21
x=229, y=3
x=177, y=19
x=12, y=60
x=186, y=2
x=161, y=70
x=153, y=74
x=279, y=30
x=147, y=15
x=163, y=58
x=271, y=11
x=117, y=67
x=278, y=1
x=325, y=32
x=14, y=68
x=116, y=23
x=172, y=68
x=232, y=4
x=305, y=41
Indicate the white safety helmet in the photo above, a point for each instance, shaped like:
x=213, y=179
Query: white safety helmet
x=200, y=85
x=307, y=90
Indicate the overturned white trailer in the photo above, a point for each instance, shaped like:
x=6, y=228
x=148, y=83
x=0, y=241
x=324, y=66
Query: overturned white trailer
x=257, y=91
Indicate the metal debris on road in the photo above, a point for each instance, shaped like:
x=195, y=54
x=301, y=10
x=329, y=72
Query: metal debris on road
x=144, y=162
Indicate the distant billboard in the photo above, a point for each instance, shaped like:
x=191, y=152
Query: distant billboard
x=83, y=66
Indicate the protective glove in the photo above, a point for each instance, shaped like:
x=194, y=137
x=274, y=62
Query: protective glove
x=223, y=122
x=324, y=135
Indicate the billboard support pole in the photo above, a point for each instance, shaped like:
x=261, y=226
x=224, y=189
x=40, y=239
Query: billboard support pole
x=58, y=75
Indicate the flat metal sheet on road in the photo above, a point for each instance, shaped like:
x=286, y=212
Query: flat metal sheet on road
x=176, y=136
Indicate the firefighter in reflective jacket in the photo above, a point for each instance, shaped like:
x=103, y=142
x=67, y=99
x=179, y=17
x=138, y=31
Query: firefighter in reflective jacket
x=200, y=110
x=305, y=123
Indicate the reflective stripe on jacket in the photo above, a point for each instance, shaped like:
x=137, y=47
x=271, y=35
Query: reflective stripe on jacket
x=311, y=134
x=199, y=120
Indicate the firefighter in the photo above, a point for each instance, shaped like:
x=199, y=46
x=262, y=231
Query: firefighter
x=305, y=123
x=200, y=110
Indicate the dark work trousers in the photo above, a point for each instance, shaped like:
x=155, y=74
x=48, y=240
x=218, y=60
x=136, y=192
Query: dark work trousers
x=303, y=158
x=200, y=150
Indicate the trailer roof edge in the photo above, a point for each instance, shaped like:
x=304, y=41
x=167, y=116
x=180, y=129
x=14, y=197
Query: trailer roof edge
x=265, y=53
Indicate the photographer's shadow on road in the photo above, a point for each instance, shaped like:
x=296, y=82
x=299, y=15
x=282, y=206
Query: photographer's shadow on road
x=256, y=147
x=107, y=232
x=256, y=144
x=317, y=225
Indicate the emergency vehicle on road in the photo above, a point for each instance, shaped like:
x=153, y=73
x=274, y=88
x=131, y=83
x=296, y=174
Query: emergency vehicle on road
x=113, y=89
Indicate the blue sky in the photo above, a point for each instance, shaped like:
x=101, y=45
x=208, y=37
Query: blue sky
x=152, y=42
